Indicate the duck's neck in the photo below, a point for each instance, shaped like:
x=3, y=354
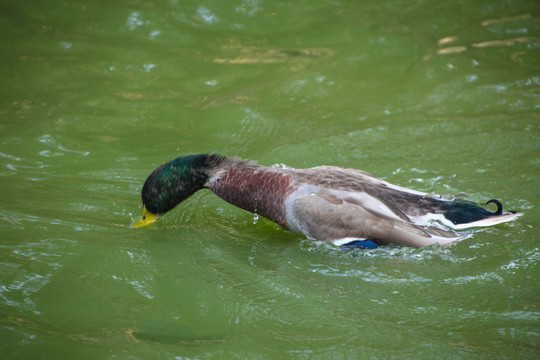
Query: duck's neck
x=254, y=188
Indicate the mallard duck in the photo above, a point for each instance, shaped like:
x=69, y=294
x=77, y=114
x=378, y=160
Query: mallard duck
x=339, y=205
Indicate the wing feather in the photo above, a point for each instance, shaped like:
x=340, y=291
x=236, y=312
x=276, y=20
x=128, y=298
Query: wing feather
x=337, y=215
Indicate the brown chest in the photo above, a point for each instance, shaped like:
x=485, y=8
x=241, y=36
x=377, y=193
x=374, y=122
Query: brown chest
x=258, y=190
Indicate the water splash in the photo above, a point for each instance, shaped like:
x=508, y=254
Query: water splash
x=255, y=214
x=282, y=166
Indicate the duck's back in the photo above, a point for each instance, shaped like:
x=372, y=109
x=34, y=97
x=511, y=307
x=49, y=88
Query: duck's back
x=400, y=201
x=341, y=205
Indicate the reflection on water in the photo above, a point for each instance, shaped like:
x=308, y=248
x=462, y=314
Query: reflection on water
x=504, y=26
x=269, y=56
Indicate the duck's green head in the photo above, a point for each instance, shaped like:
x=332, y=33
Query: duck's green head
x=173, y=182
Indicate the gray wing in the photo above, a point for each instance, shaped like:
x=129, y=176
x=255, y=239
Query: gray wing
x=341, y=216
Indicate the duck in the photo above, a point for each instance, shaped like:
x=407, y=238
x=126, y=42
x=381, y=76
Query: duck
x=342, y=206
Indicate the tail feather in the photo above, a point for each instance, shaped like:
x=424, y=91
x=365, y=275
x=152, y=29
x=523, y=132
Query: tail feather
x=465, y=215
x=490, y=221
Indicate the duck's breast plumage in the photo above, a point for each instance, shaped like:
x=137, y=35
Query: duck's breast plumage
x=254, y=188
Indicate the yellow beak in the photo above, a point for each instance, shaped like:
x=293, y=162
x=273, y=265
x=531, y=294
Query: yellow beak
x=147, y=218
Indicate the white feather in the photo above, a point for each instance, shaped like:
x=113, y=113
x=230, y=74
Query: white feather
x=491, y=221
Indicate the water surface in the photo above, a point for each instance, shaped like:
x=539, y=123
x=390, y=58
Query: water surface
x=439, y=97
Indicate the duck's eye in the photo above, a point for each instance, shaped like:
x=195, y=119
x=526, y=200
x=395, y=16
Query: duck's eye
x=154, y=192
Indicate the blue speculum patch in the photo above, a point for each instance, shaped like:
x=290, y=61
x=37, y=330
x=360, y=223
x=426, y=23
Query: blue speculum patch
x=363, y=244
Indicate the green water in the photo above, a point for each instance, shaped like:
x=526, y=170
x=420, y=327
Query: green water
x=439, y=96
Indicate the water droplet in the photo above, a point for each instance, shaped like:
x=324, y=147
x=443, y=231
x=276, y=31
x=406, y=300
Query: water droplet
x=255, y=218
x=148, y=67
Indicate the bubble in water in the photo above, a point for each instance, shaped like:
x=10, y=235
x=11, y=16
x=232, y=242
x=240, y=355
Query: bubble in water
x=255, y=218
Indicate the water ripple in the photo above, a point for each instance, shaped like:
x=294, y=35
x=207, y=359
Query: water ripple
x=50, y=141
x=28, y=267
